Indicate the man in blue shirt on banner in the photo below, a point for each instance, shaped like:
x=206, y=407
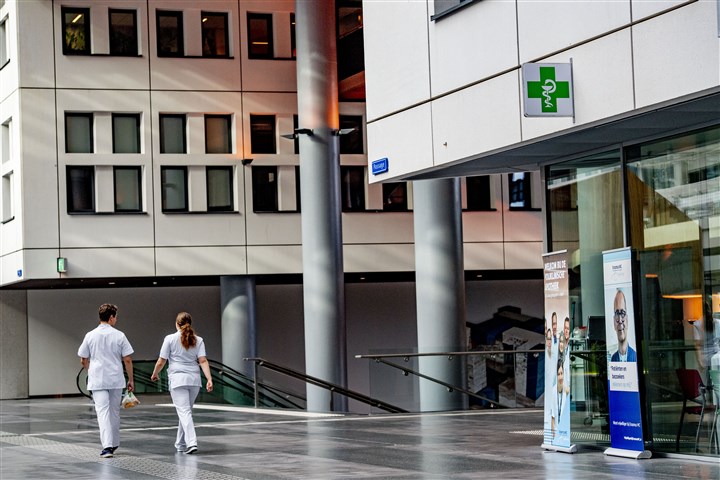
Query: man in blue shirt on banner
x=625, y=352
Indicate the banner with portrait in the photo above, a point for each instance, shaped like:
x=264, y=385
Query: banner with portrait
x=626, y=433
x=556, y=424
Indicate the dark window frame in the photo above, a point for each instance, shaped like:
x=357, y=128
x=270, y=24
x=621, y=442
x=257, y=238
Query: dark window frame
x=90, y=117
x=228, y=146
x=254, y=144
x=132, y=49
x=222, y=208
x=64, y=11
x=71, y=209
x=523, y=188
x=387, y=193
x=345, y=193
x=162, y=131
x=268, y=18
x=178, y=15
x=224, y=16
x=136, y=116
x=478, y=189
x=269, y=201
x=352, y=143
x=184, y=209
x=138, y=169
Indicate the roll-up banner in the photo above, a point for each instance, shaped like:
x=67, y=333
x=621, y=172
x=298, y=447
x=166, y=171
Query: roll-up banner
x=626, y=432
x=556, y=425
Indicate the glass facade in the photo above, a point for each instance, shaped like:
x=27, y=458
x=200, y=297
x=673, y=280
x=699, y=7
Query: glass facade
x=662, y=199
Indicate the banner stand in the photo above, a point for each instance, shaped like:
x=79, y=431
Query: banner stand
x=621, y=452
x=571, y=449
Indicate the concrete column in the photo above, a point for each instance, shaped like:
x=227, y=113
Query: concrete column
x=323, y=283
x=440, y=287
x=14, y=344
x=238, y=325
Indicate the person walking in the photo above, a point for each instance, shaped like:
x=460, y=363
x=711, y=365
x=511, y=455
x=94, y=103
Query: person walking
x=184, y=351
x=103, y=352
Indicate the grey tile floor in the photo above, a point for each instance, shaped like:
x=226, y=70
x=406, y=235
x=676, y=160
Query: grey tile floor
x=58, y=439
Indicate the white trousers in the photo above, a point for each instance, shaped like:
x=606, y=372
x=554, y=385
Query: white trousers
x=183, y=398
x=107, y=408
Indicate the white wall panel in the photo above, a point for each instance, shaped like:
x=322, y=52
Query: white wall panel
x=196, y=260
x=195, y=73
x=476, y=119
x=108, y=262
x=405, y=139
x=396, y=257
x=108, y=72
x=523, y=255
x=36, y=67
x=378, y=227
x=11, y=267
x=482, y=226
x=41, y=263
x=37, y=200
x=645, y=8
x=676, y=53
x=9, y=74
x=397, y=70
x=546, y=27
x=274, y=259
x=523, y=226
x=483, y=256
x=477, y=43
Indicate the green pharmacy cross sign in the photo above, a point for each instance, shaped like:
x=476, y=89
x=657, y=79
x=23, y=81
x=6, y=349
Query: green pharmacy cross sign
x=548, y=90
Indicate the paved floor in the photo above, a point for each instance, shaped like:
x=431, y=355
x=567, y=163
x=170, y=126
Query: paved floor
x=58, y=439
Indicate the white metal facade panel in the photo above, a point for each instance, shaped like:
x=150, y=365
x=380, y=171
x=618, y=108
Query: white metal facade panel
x=197, y=260
x=483, y=256
x=483, y=226
x=405, y=139
x=274, y=259
x=109, y=262
x=476, y=119
x=397, y=68
x=645, y=8
x=36, y=68
x=676, y=53
x=398, y=257
x=523, y=255
x=546, y=27
x=380, y=227
x=473, y=44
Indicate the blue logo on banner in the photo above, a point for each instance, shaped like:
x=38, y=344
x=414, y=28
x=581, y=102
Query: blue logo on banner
x=380, y=166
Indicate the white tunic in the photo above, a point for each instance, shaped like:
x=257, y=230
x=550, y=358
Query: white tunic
x=105, y=347
x=183, y=367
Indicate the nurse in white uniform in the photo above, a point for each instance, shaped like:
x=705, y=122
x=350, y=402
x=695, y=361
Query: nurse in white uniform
x=103, y=352
x=185, y=352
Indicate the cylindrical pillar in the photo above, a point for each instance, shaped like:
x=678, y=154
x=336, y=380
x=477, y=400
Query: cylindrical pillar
x=237, y=307
x=440, y=289
x=323, y=283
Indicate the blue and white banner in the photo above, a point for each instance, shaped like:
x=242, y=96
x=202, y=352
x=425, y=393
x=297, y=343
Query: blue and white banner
x=556, y=428
x=626, y=432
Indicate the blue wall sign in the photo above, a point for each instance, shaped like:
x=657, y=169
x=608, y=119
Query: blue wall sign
x=380, y=166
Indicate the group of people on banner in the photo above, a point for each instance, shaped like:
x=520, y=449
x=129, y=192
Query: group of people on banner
x=557, y=382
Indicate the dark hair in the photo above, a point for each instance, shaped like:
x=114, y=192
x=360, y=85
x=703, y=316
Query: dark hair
x=187, y=334
x=106, y=311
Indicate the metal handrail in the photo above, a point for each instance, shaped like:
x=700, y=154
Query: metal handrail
x=380, y=358
x=318, y=382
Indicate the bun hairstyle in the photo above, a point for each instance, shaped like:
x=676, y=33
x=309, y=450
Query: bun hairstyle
x=187, y=334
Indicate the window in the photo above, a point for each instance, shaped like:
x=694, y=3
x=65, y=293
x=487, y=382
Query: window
x=219, y=189
x=217, y=134
x=7, y=198
x=170, y=41
x=80, y=189
x=172, y=134
x=296, y=140
x=174, y=189
x=352, y=185
x=123, y=32
x=351, y=142
x=479, y=193
x=215, y=35
x=260, y=35
x=76, y=31
x=126, y=132
x=395, y=197
x=264, y=185
x=4, y=45
x=6, y=141
x=262, y=134
x=128, y=189
x=293, y=45
x=519, y=188
x=78, y=133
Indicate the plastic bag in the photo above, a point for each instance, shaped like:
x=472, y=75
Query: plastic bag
x=130, y=400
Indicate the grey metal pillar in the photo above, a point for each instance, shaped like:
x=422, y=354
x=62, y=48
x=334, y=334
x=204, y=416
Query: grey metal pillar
x=440, y=289
x=323, y=283
x=239, y=339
